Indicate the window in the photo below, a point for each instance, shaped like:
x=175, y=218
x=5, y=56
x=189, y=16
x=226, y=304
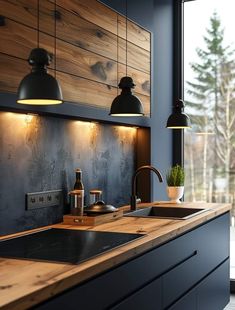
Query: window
x=209, y=93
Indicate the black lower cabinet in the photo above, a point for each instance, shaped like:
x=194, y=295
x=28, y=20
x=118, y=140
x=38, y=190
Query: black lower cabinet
x=189, y=272
x=187, y=302
x=147, y=298
x=212, y=293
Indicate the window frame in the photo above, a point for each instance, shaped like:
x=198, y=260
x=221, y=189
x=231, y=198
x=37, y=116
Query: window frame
x=178, y=78
x=178, y=86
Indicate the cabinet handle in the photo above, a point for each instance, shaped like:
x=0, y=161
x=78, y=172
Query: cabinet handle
x=182, y=261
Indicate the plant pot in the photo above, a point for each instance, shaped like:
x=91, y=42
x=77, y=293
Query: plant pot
x=175, y=193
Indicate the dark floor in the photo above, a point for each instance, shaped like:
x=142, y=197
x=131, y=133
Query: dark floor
x=231, y=305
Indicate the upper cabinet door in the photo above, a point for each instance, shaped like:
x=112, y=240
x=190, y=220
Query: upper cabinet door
x=93, y=49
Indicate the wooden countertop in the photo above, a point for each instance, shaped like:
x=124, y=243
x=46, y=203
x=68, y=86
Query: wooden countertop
x=25, y=283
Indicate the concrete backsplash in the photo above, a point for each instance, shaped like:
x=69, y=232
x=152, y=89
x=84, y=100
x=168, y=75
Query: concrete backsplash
x=41, y=153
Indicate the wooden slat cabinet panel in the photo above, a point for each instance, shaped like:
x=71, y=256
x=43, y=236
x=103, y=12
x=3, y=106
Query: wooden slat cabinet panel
x=74, y=88
x=70, y=59
x=136, y=57
x=106, y=18
x=78, y=31
x=138, y=36
x=9, y=67
x=86, y=53
x=23, y=11
x=84, y=34
x=93, y=11
x=91, y=66
x=141, y=79
x=135, y=34
x=16, y=39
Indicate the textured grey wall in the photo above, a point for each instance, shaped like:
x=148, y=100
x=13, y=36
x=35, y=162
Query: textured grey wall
x=41, y=153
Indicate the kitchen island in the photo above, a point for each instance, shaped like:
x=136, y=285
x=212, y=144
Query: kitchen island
x=171, y=252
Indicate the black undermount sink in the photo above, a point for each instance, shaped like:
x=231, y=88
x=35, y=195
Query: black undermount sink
x=177, y=213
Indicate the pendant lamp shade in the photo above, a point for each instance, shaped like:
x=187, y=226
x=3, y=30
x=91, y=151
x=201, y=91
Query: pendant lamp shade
x=178, y=119
x=126, y=104
x=39, y=87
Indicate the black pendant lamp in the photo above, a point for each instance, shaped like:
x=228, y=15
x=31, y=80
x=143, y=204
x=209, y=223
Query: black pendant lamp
x=126, y=104
x=178, y=119
x=39, y=87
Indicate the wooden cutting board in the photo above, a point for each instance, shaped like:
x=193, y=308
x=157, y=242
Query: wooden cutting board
x=91, y=220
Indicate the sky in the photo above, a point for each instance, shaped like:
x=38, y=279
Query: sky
x=196, y=19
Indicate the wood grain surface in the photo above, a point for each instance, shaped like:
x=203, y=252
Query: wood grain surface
x=96, y=219
x=22, y=11
x=19, y=39
x=44, y=280
x=75, y=89
x=106, y=18
x=86, y=48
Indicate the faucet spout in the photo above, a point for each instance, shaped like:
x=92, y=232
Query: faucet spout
x=133, y=194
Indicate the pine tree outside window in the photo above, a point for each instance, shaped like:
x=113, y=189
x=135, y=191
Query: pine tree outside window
x=209, y=93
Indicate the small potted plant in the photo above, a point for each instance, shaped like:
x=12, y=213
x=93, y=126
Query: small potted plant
x=175, y=181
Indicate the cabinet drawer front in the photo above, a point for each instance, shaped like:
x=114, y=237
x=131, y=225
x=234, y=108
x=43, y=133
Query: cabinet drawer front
x=213, y=293
x=147, y=298
x=187, y=302
x=211, y=244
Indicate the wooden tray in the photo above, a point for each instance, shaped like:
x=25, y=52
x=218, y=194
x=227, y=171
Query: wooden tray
x=91, y=220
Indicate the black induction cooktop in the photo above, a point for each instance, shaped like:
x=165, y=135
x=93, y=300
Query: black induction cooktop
x=63, y=245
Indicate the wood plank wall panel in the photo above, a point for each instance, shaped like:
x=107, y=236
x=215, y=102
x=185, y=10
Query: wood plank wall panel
x=81, y=33
x=70, y=59
x=92, y=11
x=106, y=18
x=136, y=57
x=74, y=88
x=19, y=39
x=142, y=80
x=86, y=48
x=16, y=39
x=135, y=34
x=12, y=70
x=23, y=11
x=75, y=30
x=100, y=95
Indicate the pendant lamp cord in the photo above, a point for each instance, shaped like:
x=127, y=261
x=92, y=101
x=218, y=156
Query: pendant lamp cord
x=117, y=54
x=55, y=16
x=38, y=23
x=126, y=37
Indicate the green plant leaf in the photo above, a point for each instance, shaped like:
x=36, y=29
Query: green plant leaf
x=175, y=176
